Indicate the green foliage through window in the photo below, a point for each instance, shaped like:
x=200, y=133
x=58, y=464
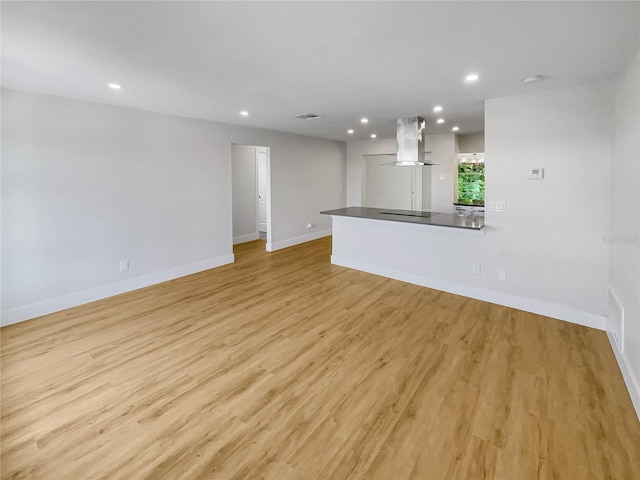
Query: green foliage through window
x=471, y=183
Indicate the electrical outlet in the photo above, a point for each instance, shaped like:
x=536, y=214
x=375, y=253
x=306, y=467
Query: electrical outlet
x=475, y=269
x=536, y=173
x=124, y=265
x=501, y=274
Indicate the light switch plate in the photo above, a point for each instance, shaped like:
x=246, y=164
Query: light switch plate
x=497, y=206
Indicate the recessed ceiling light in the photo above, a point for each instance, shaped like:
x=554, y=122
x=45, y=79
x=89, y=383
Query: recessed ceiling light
x=437, y=108
x=455, y=129
x=115, y=86
x=373, y=135
x=244, y=113
x=535, y=78
x=472, y=77
x=364, y=120
x=350, y=131
x=440, y=120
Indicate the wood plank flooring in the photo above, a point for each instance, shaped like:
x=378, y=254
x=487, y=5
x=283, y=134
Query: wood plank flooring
x=282, y=366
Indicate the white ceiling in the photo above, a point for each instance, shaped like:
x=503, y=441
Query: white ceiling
x=343, y=60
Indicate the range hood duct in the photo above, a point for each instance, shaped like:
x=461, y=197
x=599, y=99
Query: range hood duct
x=410, y=136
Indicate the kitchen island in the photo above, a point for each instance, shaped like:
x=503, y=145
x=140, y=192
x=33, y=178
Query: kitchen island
x=457, y=220
x=431, y=249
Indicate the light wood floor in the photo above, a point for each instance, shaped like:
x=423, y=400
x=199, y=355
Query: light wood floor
x=282, y=366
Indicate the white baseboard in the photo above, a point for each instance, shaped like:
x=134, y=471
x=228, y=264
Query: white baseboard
x=73, y=300
x=527, y=304
x=633, y=386
x=246, y=238
x=273, y=246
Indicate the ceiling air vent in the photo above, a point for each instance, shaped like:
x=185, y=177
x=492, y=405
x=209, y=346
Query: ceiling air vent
x=308, y=116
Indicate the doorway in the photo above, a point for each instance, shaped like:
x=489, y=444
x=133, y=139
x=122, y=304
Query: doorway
x=251, y=193
x=263, y=190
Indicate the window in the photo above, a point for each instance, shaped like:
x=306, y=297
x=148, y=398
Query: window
x=471, y=183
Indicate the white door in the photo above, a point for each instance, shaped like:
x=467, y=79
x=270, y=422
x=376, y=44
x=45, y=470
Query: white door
x=416, y=187
x=263, y=188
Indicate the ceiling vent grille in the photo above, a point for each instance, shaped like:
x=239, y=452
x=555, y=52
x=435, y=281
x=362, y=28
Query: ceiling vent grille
x=308, y=116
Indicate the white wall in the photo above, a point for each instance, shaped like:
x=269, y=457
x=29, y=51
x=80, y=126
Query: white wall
x=307, y=176
x=471, y=143
x=86, y=185
x=624, y=239
x=244, y=190
x=550, y=238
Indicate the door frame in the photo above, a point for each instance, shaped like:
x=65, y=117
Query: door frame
x=269, y=189
x=268, y=181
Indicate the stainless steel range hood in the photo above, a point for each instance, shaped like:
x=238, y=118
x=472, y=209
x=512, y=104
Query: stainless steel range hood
x=410, y=136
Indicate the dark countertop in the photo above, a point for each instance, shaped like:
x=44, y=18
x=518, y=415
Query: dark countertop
x=456, y=220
